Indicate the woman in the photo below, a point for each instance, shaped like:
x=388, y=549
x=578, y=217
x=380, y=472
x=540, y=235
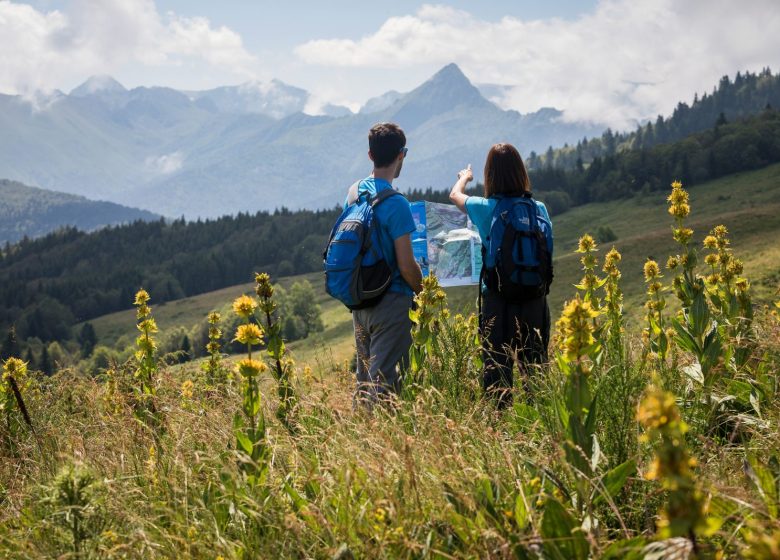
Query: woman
x=510, y=330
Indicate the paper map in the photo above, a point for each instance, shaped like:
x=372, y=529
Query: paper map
x=446, y=244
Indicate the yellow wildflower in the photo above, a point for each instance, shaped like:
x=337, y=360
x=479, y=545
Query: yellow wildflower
x=672, y=262
x=244, y=306
x=141, y=297
x=651, y=270
x=682, y=235
x=576, y=329
x=586, y=244
x=711, y=259
x=249, y=333
x=263, y=286
x=250, y=368
x=187, y=389
x=735, y=267
x=14, y=367
x=710, y=242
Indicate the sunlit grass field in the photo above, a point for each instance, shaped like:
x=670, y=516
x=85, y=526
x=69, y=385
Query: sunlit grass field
x=660, y=444
x=747, y=203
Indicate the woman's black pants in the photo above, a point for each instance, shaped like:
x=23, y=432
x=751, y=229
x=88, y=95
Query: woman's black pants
x=512, y=331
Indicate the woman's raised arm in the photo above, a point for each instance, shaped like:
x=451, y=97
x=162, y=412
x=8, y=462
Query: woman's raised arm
x=458, y=194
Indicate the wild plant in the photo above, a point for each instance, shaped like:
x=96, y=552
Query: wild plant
x=281, y=365
x=695, y=330
x=146, y=364
x=13, y=384
x=249, y=423
x=613, y=304
x=71, y=511
x=216, y=372
x=729, y=294
x=684, y=263
x=590, y=283
x=655, y=334
x=683, y=514
x=430, y=308
x=446, y=350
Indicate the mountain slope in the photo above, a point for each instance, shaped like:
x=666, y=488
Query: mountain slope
x=32, y=212
x=248, y=147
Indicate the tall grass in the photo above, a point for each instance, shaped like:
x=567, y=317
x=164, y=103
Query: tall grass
x=274, y=461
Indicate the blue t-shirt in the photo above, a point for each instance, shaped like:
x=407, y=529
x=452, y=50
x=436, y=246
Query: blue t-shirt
x=480, y=212
x=395, y=220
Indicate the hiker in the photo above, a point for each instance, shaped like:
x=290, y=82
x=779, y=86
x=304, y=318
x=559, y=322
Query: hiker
x=377, y=283
x=516, y=233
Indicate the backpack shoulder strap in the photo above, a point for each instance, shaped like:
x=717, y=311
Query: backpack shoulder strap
x=383, y=195
x=352, y=193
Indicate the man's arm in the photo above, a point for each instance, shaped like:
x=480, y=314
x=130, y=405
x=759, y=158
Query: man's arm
x=410, y=270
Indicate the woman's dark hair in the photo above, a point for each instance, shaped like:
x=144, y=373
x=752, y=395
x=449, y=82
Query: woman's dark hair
x=505, y=172
x=385, y=142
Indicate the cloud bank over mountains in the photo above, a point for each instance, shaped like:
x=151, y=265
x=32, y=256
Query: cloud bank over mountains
x=625, y=62
x=41, y=50
x=622, y=62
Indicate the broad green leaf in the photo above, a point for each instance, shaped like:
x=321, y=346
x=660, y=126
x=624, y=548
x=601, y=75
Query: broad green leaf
x=614, y=480
x=684, y=339
x=694, y=372
x=563, y=537
x=521, y=510
x=244, y=442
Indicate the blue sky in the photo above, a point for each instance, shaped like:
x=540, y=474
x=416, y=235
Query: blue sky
x=606, y=61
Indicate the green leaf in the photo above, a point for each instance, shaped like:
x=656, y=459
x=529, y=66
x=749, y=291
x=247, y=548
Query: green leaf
x=700, y=315
x=590, y=421
x=685, y=339
x=244, y=443
x=627, y=549
x=614, y=480
x=765, y=482
x=521, y=510
x=563, y=537
x=298, y=501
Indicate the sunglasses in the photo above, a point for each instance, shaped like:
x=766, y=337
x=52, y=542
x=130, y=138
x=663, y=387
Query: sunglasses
x=404, y=151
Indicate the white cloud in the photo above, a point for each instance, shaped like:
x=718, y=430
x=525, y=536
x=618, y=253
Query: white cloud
x=165, y=164
x=626, y=60
x=39, y=50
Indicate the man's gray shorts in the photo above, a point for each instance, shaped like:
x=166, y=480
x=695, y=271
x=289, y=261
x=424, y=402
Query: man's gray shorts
x=382, y=337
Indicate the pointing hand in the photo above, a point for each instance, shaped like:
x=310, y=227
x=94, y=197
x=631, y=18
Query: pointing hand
x=466, y=173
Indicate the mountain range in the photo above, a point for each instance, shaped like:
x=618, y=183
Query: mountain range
x=251, y=147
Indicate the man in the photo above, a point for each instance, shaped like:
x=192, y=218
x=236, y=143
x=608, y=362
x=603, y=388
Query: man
x=383, y=332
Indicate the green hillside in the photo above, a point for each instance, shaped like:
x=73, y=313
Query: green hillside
x=747, y=203
x=33, y=212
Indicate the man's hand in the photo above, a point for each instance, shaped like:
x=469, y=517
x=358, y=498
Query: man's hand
x=410, y=270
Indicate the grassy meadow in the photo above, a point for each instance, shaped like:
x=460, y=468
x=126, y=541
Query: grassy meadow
x=747, y=203
x=636, y=444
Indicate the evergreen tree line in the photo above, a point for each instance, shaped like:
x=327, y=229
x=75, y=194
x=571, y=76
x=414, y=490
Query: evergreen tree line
x=748, y=94
x=726, y=148
x=50, y=283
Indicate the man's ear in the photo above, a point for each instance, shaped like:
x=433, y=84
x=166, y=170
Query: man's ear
x=370, y=155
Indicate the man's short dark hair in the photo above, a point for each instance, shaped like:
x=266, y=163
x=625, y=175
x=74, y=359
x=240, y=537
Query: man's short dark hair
x=385, y=141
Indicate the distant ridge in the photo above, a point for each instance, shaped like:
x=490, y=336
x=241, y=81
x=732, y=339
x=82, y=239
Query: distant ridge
x=32, y=212
x=253, y=146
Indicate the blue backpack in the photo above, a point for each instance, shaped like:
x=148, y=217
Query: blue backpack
x=356, y=272
x=517, y=263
